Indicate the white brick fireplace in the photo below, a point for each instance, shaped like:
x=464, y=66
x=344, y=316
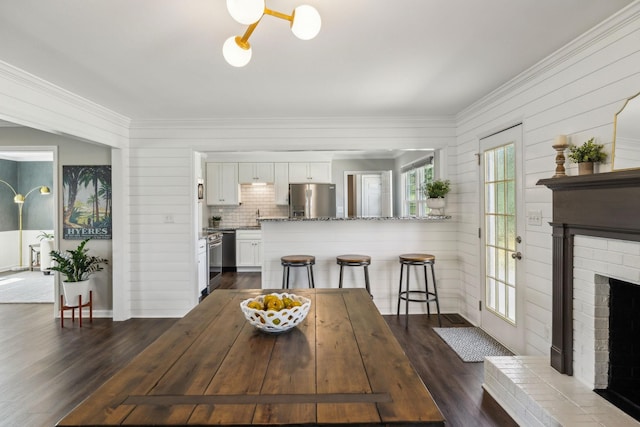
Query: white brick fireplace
x=595, y=260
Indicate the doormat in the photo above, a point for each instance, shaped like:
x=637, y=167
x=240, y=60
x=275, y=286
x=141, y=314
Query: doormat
x=472, y=344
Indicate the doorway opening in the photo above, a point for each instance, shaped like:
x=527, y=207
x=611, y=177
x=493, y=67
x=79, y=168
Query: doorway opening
x=368, y=194
x=27, y=223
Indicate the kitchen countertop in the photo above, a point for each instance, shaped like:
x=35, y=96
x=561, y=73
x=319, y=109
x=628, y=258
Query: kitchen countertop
x=392, y=218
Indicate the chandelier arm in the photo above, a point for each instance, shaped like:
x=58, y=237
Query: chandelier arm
x=244, y=40
x=9, y=185
x=278, y=14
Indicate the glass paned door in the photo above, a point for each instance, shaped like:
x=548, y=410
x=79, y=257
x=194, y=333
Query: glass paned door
x=502, y=226
x=500, y=221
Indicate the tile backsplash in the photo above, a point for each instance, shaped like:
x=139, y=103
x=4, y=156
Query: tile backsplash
x=254, y=198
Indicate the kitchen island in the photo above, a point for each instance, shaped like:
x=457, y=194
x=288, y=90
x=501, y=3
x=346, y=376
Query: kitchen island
x=383, y=239
x=339, y=366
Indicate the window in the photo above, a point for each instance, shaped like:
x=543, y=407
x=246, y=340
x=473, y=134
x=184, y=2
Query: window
x=415, y=176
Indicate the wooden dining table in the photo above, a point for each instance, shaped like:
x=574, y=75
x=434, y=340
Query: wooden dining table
x=340, y=365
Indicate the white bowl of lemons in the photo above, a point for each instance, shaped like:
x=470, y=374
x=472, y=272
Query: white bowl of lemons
x=277, y=312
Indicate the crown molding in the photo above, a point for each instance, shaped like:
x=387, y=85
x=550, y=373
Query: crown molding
x=297, y=122
x=590, y=38
x=31, y=101
x=43, y=87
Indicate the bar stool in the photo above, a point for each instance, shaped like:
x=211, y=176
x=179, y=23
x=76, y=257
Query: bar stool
x=425, y=296
x=297, y=261
x=355, y=261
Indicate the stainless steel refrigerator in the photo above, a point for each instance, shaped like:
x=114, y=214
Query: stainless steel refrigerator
x=312, y=200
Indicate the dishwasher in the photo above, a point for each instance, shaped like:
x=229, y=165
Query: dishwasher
x=228, y=250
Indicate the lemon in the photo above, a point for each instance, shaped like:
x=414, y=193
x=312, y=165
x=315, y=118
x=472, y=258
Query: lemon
x=275, y=304
x=255, y=305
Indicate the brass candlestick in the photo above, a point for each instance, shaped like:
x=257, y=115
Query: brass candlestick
x=560, y=146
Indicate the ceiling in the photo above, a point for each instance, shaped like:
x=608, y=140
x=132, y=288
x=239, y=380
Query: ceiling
x=162, y=59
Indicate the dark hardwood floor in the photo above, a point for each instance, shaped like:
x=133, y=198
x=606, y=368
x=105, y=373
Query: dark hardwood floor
x=45, y=371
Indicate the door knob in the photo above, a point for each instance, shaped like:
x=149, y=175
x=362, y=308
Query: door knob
x=516, y=255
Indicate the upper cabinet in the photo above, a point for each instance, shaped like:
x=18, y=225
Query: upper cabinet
x=250, y=173
x=281, y=183
x=312, y=172
x=222, y=184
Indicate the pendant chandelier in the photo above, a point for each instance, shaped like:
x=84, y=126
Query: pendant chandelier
x=304, y=21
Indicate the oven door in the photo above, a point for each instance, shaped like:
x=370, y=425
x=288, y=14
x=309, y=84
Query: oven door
x=215, y=262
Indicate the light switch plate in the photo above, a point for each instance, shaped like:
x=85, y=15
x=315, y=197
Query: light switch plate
x=534, y=217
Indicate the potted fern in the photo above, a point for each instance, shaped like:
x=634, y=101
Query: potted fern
x=586, y=155
x=436, y=192
x=76, y=266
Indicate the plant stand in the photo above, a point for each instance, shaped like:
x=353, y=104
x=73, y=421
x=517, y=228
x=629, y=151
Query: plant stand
x=80, y=306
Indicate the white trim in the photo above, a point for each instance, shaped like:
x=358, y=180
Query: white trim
x=30, y=101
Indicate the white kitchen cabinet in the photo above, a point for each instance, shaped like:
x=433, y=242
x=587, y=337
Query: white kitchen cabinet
x=311, y=172
x=203, y=274
x=250, y=173
x=248, y=250
x=222, y=184
x=281, y=183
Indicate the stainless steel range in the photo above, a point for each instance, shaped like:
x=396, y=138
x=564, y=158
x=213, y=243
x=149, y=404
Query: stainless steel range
x=214, y=241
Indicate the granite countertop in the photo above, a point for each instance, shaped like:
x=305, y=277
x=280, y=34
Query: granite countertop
x=391, y=218
x=221, y=229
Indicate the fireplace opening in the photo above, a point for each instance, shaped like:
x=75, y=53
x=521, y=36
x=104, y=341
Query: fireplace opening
x=623, y=389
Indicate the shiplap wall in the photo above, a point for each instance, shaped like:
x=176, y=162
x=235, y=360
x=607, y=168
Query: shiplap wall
x=382, y=240
x=162, y=183
x=575, y=91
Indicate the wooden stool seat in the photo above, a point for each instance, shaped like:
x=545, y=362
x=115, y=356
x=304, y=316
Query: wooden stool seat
x=289, y=261
x=426, y=296
x=417, y=258
x=298, y=259
x=352, y=260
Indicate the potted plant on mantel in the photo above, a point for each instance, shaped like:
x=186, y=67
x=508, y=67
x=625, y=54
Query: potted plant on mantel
x=586, y=155
x=76, y=266
x=436, y=192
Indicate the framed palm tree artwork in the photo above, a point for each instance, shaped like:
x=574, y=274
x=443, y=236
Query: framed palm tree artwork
x=87, y=202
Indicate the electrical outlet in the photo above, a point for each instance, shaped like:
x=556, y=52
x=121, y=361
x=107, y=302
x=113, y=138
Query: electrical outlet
x=168, y=219
x=534, y=217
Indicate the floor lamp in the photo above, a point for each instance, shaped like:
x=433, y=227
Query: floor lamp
x=19, y=200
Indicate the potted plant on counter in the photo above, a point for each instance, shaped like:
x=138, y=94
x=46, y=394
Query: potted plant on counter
x=76, y=266
x=586, y=155
x=214, y=222
x=436, y=192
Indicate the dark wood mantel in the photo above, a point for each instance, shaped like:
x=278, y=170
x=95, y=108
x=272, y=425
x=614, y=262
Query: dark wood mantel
x=601, y=205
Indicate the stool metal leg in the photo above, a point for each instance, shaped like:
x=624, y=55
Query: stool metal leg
x=313, y=283
x=406, y=305
x=435, y=292
x=341, y=273
x=284, y=277
x=400, y=289
x=366, y=279
x=426, y=289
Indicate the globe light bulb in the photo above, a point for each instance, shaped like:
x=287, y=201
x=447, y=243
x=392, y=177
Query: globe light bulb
x=306, y=22
x=246, y=12
x=234, y=54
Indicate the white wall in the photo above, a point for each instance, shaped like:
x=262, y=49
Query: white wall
x=382, y=240
x=163, y=281
x=576, y=91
